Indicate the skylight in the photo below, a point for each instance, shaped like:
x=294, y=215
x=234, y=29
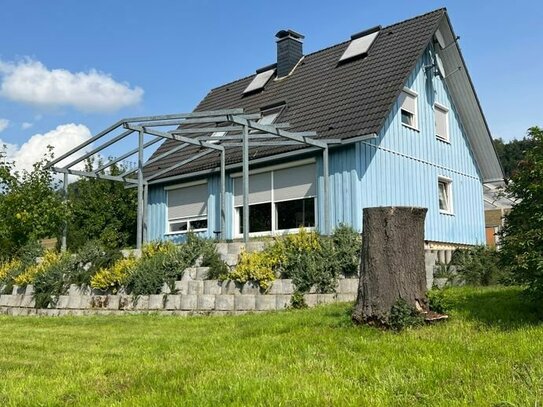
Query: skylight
x=360, y=43
x=259, y=81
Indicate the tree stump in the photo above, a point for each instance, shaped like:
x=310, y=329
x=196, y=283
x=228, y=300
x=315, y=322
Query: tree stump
x=393, y=265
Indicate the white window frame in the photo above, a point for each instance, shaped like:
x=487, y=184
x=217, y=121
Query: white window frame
x=187, y=219
x=448, y=182
x=445, y=110
x=415, y=114
x=272, y=202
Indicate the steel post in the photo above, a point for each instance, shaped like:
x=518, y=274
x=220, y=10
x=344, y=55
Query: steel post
x=139, y=230
x=223, y=194
x=245, y=161
x=64, y=243
x=326, y=194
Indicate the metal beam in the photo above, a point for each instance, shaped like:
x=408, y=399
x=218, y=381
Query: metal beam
x=157, y=158
x=326, y=171
x=304, y=138
x=99, y=148
x=93, y=175
x=175, y=137
x=145, y=215
x=195, y=120
x=126, y=155
x=223, y=195
x=245, y=161
x=181, y=115
x=64, y=243
x=83, y=145
x=236, y=129
x=139, y=235
x=177, y=165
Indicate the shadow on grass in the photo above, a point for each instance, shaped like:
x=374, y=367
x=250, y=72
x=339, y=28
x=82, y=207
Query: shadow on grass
x=498, y=307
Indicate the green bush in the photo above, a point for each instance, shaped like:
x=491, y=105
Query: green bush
x=479, y=266
x=91, y=258
x=52, y=282
x=438, y=301
x=347, y=244
x=402, y=316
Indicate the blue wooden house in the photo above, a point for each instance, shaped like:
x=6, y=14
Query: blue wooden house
x=410, y=127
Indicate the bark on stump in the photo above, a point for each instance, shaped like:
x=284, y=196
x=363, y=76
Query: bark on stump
x=393, y=265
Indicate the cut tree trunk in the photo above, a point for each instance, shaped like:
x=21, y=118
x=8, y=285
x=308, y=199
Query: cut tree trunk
x=393, y=265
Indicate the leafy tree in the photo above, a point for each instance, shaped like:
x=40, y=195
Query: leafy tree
x=31, y=207
x=522, y=235
x=511, y=153
x=101, y=210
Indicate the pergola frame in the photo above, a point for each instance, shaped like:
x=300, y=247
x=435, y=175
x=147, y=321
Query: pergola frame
x=243, y=130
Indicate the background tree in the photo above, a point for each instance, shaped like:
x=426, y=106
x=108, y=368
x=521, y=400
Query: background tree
x=522, y=235
x=511, y=153
x=102, y=210
x=31, y=207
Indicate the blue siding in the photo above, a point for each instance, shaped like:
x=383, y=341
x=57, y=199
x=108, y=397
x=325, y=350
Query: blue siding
x=400, y=167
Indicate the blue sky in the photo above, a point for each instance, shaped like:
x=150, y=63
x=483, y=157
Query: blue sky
x=163, y=56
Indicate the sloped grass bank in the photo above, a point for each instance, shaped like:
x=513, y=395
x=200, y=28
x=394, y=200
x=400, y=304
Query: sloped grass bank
x=490, y=354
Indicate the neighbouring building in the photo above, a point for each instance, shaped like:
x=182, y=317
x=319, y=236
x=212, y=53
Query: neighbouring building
x=410, y=132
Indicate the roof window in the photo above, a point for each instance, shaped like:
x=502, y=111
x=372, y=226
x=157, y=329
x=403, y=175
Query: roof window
x=360, y=44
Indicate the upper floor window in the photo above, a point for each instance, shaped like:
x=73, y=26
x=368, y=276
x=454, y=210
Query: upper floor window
x=445, y=195
x=408, y=108
x=441, y=114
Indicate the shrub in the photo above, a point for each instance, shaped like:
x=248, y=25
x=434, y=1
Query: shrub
x=402, y=316
x=256, y=266
x=114, y=277
x=51, y=281
x=478, y=266
x=438, y=301
x=48, y=260
x=347, y=246
x=92, y=258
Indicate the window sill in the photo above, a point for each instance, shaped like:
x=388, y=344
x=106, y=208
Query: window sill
x=184, y=232
x=281, y=232
x=442, y=212
x=411, y=127
x=443, y=140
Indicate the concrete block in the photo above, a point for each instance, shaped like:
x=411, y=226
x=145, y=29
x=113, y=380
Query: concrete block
x=231, y=287
x=311, y=299
x=29, y=289
x=202, y=273
x=2, y=288
x=347, y=285
x=63, y=301
x=142, y=303
x=206, y=302
x=173, y=302
x=255, y=246
x=245, y=302
x=265, y=302
x=250, y=287
x=85, y=301
x=74, y=302
x=235, y=248
x=113, y=302
x=326, y=298
x=230, y=259
x=195, y=287
x=346, y=297
x=99, y=301
x=156, y=301
x=165, y=289
x=276, y=287
x=28, y=301
x=212, y=287
x=18, y=290
x=288, y=286
x=182, y=287
x=126, y=302
x=189, y=302
x=222, y=248
x=283, y=301
x=224, y=302
x=4, y=300
x=189, y=274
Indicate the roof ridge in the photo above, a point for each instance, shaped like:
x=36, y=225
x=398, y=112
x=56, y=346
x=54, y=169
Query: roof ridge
x=442, y=9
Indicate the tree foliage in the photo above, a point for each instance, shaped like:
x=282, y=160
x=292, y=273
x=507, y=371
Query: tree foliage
x=511, y=153
x=522, y=235
x=102, y=210
x=31, y=208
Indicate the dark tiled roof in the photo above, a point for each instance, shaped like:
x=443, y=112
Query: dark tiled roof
x=335, y=100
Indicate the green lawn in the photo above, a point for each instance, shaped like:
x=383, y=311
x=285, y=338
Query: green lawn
x=490, y=353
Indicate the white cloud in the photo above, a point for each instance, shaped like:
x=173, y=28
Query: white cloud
x=63, y=138
x=31, y=82
x=4, y=123
x=26, y=125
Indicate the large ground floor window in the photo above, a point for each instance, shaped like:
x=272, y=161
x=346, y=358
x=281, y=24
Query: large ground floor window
x=187, y=207
x=281, y=198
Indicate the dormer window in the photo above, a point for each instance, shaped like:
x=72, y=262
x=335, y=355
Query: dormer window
x=408, y=108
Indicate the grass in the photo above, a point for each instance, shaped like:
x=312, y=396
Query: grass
x=490, y=353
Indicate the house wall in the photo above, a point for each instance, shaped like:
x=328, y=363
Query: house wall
x=400, y=167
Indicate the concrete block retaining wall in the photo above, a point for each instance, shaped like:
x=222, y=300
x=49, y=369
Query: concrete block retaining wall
x=190, y=297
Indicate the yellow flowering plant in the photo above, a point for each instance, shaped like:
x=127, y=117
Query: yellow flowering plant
x=50, y=257
x=114, y=277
